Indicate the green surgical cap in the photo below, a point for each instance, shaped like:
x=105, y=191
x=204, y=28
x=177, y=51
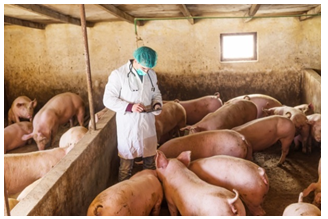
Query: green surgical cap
x=146, y=56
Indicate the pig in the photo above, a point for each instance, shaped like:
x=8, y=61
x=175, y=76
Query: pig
x=307, y=109
x=169, y=121
x=298, y=118
x=98, y=116
x=188, y=195
x=252, y=182
x=22, y=107
x=196, y=109
x=265, y=132
x=230, y=115
x=22, y=169
x=141, y=195
x=209, y=143
x=301, y=209
x=316, y=187
x=57, y=111
x=13, y=135
x=314, y=121
x=261, y=101
x=72, y=136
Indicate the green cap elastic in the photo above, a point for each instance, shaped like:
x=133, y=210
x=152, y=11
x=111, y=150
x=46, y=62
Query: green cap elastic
x=146, y=56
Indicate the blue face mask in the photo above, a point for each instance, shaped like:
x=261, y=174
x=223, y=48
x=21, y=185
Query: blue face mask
x=141, y=72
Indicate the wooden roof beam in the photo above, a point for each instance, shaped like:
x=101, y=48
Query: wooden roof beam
x=24, y=23
x=118, y=13
x=252, y=11
x=52, y=14
x=315, y=10
x=186, y=13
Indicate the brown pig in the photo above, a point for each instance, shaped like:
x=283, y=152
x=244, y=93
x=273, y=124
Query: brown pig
x=57, y=111
x=307, y=109
x=169, y=121
x=261, y=101
x=230, y=115
x=141, y=195
x=316, y=187
x=13, y=135
x=301, y=209
x=209, y=143
x=72, y=136
x=265, y=132
x=22, y=169
x=188, y=195
x=298, y=118
x=196, y=109
x=22, y=107
x=221, y=170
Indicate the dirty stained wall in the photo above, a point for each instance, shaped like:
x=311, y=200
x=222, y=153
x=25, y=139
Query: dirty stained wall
x=43, y=63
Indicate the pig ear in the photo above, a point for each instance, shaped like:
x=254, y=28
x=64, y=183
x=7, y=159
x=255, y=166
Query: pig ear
x=19, y=104
x=311, y=106
x=161, y=160
x=184, y=157
x=27, y=136
x=35, y=102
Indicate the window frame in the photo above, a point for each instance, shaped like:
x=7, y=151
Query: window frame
x=254, y=58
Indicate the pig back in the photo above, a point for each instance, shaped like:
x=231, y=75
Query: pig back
x=197, y=109
x=208, y=143
x=64, y=106
x=13, y=135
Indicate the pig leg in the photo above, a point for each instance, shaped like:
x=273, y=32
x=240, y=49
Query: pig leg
x=80, y=116
x=285, y=144
x=297, y=141
x=309, y=189
x=305, y=132
x=172, y=207
x=157, y=208
x=255, y=210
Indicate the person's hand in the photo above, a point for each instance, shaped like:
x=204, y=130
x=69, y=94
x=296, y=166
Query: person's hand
x=138, y=107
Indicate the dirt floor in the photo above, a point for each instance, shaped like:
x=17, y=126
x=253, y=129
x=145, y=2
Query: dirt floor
x=286, y=181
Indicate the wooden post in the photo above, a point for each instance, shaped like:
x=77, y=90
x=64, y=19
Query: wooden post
x=87, y=62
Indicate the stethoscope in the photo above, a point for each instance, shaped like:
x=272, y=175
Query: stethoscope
x=130, y=72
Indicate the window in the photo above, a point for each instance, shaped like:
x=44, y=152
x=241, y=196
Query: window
x=238, y=46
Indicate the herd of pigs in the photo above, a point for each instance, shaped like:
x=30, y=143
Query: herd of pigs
x=204, y=162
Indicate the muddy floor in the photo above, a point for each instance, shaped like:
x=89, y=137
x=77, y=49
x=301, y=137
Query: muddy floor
x=286, y=181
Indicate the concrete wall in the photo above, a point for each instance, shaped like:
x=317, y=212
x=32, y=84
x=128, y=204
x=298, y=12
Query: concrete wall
x=311, y=89
x=69, y=188
x=43, y=63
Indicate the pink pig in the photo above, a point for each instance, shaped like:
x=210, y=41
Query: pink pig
x=13, y=135
x=22, y=169
x=72, y=136
x=57, y=111
x=307, y=109
x=261, y=101
x=209, y=143
x=264, y=132
x=230, y=115
x=188, y=195
x=221, y=170
x=169, y=121
x=197, y=109
x=141, y=195
x=22, y=107
x=301, y=209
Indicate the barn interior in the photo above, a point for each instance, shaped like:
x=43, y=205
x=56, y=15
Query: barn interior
x=48, y=50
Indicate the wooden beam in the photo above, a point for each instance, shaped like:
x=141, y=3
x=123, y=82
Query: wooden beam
x=118, y=13
x=252, y=11
x=186, y=13
x=315, y=10
x=23, y=23
x=53, y=14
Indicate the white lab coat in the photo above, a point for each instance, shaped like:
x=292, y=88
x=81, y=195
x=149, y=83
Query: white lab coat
x=136, y=132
